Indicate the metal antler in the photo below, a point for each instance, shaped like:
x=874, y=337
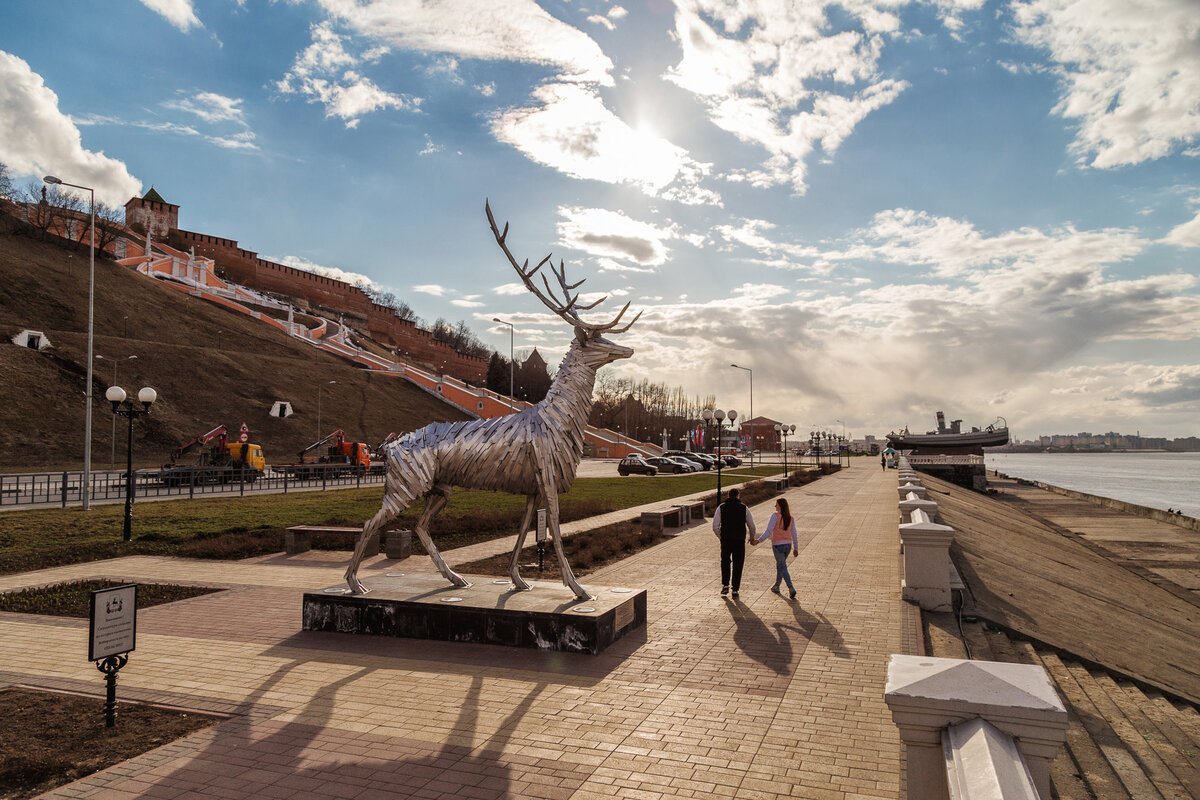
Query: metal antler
x=568, y=308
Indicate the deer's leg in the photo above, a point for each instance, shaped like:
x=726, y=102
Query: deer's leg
x=550, y=496
x=435, y=501
x=385, y=515
x=514, y=568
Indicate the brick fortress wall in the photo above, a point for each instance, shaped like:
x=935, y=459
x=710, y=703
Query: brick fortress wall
x=336, y=297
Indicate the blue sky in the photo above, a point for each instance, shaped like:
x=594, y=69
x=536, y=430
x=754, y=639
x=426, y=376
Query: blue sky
x=883, y=207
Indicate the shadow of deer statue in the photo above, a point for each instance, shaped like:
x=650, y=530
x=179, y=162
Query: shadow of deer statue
x=535, y=452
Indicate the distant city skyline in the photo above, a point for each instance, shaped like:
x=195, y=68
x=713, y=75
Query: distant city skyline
x=884, y=208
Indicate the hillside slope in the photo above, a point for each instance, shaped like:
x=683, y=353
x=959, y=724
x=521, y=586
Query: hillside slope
x=209, y=365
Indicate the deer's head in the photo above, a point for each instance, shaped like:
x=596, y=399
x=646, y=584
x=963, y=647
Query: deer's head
x=595, y=349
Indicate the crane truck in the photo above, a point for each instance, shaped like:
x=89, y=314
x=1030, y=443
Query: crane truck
x=212, y=458
x=341, y=457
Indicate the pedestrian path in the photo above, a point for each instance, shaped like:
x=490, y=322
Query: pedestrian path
x=755, y=698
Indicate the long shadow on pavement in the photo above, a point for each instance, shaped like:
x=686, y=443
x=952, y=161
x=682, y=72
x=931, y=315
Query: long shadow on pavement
x=310, y=755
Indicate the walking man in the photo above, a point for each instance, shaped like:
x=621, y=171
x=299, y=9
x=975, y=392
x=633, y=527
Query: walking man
x=733, y=525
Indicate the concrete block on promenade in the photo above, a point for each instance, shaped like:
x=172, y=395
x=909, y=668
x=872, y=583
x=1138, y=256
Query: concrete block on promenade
x=397, y=544
x=918, y=490
x=296, y=541
x=652, y=521
x=685, y=513
x=926, y=547
x=927, y=695
x=659, y=521
x=298, y=538
x=696, y=510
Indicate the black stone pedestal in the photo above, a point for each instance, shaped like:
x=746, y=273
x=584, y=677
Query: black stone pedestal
x=490, y=611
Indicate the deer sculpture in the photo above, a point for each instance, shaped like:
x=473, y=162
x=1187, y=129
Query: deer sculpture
x=535, y=452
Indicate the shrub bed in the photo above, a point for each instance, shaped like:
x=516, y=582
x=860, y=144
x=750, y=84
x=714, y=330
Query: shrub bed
x=73, y=599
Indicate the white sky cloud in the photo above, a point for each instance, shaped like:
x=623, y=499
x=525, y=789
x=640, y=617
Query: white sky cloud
x=462, y=302
x=518, y=30
x=430, y=288
x=180, y=13
x=325, y=73
x=510, y=289
x=1186, y=234
x=1130, y=73
x=779, y=76
x=612, y=235
x=36, y=138
x=211, y=107
x=575, y=133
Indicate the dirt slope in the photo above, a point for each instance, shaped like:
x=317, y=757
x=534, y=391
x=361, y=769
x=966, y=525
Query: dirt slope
x=203, y=378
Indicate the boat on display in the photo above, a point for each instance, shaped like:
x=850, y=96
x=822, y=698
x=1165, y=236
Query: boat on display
x=951, y=439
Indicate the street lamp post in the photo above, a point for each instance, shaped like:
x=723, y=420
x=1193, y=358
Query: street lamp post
x=785, y=431
x=123, y=406
x=116, y=362
x=747, y=369
x=718, y=416
x=85, y=489
x=512, y=332
x=320, y=386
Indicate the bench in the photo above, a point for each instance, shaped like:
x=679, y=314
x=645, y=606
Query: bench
x=658, y=521
x=689, y=512
x=777, y=484
x=298, y=538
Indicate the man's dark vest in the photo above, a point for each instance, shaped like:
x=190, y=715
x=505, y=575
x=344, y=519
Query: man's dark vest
x=733, y=519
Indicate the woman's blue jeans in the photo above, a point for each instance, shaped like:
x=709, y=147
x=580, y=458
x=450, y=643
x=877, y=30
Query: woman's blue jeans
x=781, y=570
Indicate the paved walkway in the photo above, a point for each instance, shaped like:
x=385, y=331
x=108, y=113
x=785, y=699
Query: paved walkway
x=761, y=698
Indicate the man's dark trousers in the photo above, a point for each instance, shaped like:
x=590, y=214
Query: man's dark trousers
x=733, y=555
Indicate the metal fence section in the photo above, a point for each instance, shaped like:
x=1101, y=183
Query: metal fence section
x=63, y=488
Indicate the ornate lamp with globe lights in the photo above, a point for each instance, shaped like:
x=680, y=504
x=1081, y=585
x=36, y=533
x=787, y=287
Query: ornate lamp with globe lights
x=785, y=431
x=718, y=416
x=123, y=406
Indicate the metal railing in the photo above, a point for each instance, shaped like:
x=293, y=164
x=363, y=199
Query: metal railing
x=945, y=459
x=63, y=488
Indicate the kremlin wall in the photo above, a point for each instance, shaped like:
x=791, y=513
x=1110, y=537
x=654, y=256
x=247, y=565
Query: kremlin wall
x=325, y=296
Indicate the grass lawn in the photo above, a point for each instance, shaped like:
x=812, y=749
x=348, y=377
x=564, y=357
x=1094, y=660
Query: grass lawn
x=240, y=527
x=52, y=739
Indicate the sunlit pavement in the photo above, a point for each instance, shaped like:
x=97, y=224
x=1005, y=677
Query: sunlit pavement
x=755, y=698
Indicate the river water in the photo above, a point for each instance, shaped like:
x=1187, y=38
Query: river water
x=1156, y=480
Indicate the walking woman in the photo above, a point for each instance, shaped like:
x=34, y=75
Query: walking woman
x=782, y=530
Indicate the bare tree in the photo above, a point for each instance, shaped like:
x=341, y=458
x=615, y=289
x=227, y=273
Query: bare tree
x=7, y=189
x=110, y=222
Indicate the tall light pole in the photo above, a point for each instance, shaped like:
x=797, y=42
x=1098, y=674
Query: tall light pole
x=85, y=489
x=116, y=363
x=747, y=369
x=320, y=386
x=512, y=332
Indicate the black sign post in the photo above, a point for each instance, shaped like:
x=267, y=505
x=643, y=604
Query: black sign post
x=112, y=635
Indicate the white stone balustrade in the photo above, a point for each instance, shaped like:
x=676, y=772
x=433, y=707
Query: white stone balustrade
x=926, y=547
x=920, y=491
x=984, y=763
x=929, y=695
x=911, y=502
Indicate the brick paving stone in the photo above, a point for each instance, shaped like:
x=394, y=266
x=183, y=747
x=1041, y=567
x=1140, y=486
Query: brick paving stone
x=758, y=698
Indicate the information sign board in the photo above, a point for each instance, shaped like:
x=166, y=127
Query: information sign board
x=113, y=624
x=541, y=525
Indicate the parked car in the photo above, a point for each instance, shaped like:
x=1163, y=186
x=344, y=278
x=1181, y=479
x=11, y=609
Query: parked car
x=695, y=458
x=732, y=461
x=692, y=466
x=667, y=465
x=635, y=465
